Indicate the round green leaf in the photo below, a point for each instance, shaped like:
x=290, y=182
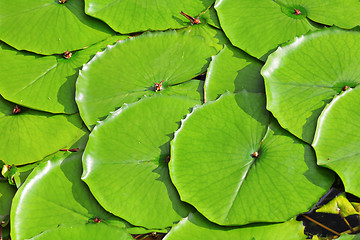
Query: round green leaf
x=197, y=227
x=7, y=193
x=344, y=14
x=211, y=18
x=53, y=195
x=212, y=36
x=48, y=27
x=215, y=168
x=258, y=27
x=128, y=16
x=233, y=70
x=129, y=70
x=125, y=161
x=85, y=232
x=336, y=141
x=31, y=135
x=44, y=83
x=302, y=77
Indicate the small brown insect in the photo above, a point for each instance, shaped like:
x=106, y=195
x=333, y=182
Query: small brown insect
x=67, y=54
x=255, y=155
x=70, y=150
x=16, y=110
x=62, y=1
x=192, y=20
x=158, y=86
x=297, y=12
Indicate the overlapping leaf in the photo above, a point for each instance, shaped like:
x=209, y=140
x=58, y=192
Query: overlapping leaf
x=53, y=196
x=31, y=135
x=197, y=227
x=337, y=138
x=48, y=27
x=211, y=18
x=44, y=83
x=129, y=70
x=236, y=168
x=128, y=16
x=302, y=77
x=344, y=14
x=233, y=70
x=212, y=36
x=85, y=232
x=258, y=27
x=125, y=161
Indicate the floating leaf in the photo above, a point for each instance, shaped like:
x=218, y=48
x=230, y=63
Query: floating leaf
x=47, y=27
x=212, y=36
x=129, y=70
x=125, y=161
x=197, y=227
x=325, y=12
x=258, y=27
x=31, y=135
x=211, y=18
x=54, y=195
x=236, y=168
x=85, y=232
x=302, y=77
x=336, y=141
x=128, y=16
x=44, y=83
x=233, y=70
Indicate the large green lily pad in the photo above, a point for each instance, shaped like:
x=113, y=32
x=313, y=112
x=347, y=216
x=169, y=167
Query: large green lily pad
x=44, y=83
x=128, y=16
x=337, y=138
x=31, y=135
x=212, y=36
x=54, y=196
x=236, y=168
x=233, y=70
x=125, y=161
x=258, y=27
x=48, y=27
x=85, y=232
x=303, y=76
x=129, y=70
x=344, y=14
x=197, y=227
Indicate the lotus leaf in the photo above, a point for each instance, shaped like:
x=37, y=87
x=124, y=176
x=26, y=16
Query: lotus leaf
x=129, y=70
x=197, y=227
x=236, y=168
x=303, y=76
x=127, y=16
x=48, y=27
x=54, y=195
x=337, y=138
x=125, y=161
x=44, y=83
